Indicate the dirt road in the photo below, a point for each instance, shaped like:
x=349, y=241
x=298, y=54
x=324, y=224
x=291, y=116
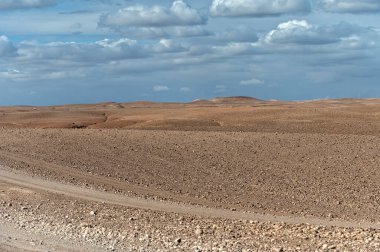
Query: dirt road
x=22, y=180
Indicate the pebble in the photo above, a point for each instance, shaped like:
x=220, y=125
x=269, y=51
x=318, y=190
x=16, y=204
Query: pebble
x=325, y=247
x=198, y=231
x=178, y=241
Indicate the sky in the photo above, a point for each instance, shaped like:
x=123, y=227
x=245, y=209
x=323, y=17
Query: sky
x=87, y=51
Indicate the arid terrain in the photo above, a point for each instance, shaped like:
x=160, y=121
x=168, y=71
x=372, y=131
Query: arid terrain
x=227, y=174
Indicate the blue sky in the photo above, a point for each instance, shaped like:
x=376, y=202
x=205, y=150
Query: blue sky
x=85, y=51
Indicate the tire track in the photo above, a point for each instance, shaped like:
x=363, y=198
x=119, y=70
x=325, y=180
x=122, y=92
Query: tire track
x=12, y=177
x=69, y=172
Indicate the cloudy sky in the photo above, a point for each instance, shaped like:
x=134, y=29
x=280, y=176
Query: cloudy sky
x=82, y=51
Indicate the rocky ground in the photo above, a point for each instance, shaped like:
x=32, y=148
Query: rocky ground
x=272, y=159
x=306, y=174
x=105, y=227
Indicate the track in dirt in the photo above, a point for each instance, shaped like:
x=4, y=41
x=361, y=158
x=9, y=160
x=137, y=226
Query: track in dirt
x=112, y=183
x=9, y=176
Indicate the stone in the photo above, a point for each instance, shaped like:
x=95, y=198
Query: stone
x=178, y=241
x=198, y=231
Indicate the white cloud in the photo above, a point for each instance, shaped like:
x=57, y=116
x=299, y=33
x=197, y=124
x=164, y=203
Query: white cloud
x=168, y=46
x=252, y=82
x=179, y=14
x=61, y=60
x=160, y=88
x=49, y=22
x=163, y=32
x=257, y=8
x=234, y=49
x=97, y=52
x=188, y=31
x=125, y=57
x=6, y=47
x=350, y=6
x=19, y=4
x=300, y=32
x=12, y=74
x=303, y=33
x=116, y=43
x=343, y=41
x=41, y=74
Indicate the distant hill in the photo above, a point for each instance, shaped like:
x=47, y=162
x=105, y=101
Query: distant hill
x=235, y=99
x=228, y=100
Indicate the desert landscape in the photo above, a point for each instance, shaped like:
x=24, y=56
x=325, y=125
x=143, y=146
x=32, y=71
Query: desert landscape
x=226, y=174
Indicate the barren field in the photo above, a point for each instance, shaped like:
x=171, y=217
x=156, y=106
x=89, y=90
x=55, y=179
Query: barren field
x=228, y=174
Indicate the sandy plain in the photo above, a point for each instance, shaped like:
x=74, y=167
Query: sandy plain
x=227, y=174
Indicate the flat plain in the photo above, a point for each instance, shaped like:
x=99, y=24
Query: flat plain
x=227, y=174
